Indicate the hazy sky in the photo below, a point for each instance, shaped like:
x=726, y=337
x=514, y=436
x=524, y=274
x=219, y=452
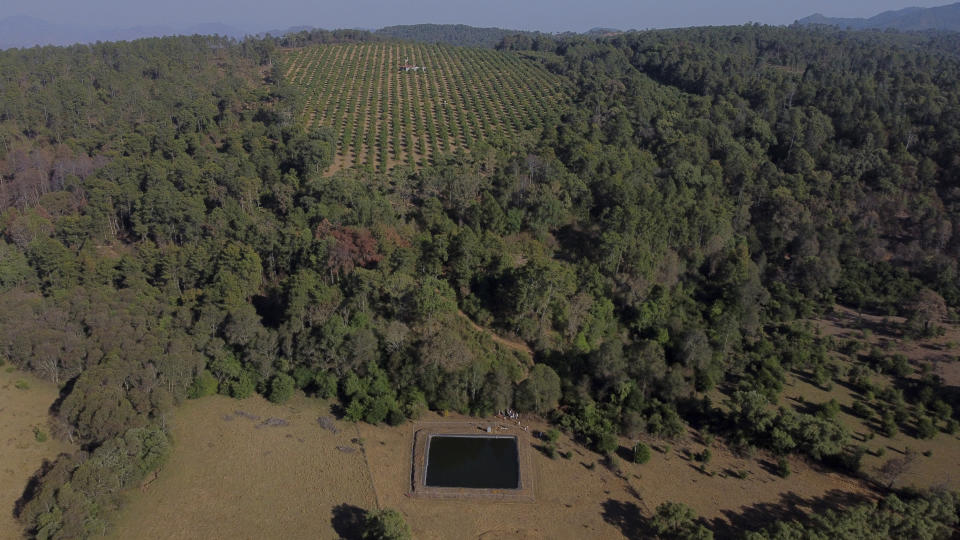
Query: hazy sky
x=545, y=15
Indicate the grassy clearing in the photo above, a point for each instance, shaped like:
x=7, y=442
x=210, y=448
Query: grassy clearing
x=936, y=460
x=581, y=497
x=384, y=117
x=24, y=440
x=232, y=476
x=232, y=479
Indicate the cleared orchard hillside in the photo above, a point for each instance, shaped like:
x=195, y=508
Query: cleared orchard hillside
x=383, y=116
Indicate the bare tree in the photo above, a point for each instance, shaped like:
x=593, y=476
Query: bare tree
x=894, y=468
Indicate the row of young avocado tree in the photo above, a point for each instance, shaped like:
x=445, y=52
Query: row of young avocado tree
x=383, y=116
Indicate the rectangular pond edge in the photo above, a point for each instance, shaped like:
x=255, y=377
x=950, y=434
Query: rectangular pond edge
x=426, y=465
x=423, y=431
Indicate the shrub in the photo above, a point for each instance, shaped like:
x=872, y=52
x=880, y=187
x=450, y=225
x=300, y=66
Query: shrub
x=396, y=417
x=21, y=384
x=852, y=460
x=925, y=428
x=356, y=409
x=641, y=453
x=303, y=377
x=282, y=387
x=829, y=410
x=414, y=403
x=553, y=435
x=783, y=467
x=676, y=520
x=607, y=443
x=204, y=384
x=386, y=524
x=551, y=450
x=39, y=435
x=862, y=410
x=378, y=409
x=243, y=387
x=888, y=425
x=325, y=385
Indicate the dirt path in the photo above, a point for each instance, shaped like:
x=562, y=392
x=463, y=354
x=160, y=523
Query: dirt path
x=512, y=344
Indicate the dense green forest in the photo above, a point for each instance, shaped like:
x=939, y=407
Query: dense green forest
x=168, y=233
x=449, y=34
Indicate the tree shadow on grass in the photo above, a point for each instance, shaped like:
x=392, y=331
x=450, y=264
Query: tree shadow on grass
x=624, y=453
x=542, y=448
x=32, y=489
x=337, y=411
x=348, y=521
x=628, y=517
x=790, y=507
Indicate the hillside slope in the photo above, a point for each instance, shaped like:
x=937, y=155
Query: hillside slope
x=450, y=98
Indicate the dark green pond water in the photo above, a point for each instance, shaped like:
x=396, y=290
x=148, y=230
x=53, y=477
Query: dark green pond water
x=473, y=462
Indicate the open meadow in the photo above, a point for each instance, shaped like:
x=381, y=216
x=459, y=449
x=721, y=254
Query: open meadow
x=24, y=439
x=250, y=469
x=234, y=473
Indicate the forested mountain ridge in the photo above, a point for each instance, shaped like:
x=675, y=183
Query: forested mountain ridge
x=168, y=232
x=23, y=32
x=910, y=19
x=449, y=34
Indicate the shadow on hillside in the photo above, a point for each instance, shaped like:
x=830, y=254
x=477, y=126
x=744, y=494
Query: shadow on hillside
x=348, y=521
x=790, y=507
x=875, y=323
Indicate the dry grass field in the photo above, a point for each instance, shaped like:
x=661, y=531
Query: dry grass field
x=234, y=476
x=942, y=467
x=581, y=498
x=233, y=479
x=23, y=407
x=383, y=116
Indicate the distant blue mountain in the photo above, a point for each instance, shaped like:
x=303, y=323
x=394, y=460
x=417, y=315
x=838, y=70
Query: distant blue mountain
x=914, y=18
x=22, y=31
